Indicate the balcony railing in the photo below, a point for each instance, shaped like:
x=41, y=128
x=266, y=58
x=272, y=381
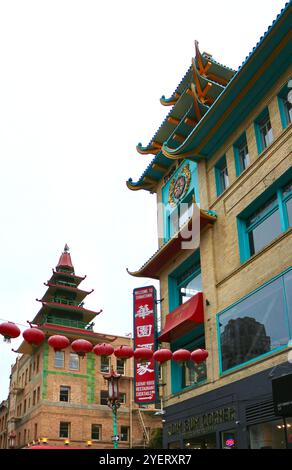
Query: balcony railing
x=67, y=322
x=62, y=300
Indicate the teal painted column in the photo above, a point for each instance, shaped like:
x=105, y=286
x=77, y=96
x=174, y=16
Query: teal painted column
x=115, y=427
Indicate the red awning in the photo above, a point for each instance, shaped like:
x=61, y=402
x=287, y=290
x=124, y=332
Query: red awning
x=183, y=318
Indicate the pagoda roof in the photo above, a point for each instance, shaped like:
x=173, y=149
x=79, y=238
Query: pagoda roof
x=232, y=100
x=168, y=250
x=52, y=288
x=46, y=308
x=65, y=260
x=77, y=279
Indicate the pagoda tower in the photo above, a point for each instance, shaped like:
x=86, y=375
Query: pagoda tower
x=59, y=398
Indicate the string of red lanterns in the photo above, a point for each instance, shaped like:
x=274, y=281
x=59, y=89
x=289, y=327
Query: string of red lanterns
x=36, y=337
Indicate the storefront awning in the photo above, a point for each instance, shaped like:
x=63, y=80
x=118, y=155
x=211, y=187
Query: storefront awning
x=183, y=318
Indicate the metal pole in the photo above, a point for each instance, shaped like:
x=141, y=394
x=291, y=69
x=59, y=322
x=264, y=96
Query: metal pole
x=115, y=429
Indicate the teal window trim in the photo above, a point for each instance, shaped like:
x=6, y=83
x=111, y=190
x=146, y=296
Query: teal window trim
x=279, y=204
x=173, y=287
x=282, y=96
x=220, y=165
x=236, y=150
x=280, y=348
x=190, y=341
x=264, y=116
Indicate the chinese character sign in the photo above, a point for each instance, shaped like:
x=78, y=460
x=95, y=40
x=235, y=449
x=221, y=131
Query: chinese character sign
x=145, y=337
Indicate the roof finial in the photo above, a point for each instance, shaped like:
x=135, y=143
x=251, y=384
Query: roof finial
x=66, y=248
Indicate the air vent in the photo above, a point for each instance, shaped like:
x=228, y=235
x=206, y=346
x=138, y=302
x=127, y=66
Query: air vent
x=259, y=412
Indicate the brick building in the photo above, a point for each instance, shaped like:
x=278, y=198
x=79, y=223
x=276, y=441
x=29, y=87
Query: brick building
x=58, y=398
x=222, y=176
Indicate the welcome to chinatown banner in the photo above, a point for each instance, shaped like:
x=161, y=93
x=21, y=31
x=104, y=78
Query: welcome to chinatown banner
x=145, y=334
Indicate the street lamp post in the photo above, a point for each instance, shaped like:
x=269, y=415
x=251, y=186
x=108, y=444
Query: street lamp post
x=113, y=401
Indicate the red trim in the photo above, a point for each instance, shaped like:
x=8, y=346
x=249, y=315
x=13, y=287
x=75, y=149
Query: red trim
x=76, y=331
x=170, y=249
x=183, y=319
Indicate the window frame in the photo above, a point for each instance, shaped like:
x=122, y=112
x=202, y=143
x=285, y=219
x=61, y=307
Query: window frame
x=218, y=168
x=68, y=395
x=99, y=426
x=70, y=363
x=63, y=360
x=68, y=430
x=261, y=356
x=279, y=205
x=282, y=102
x=102, y=398
x=237, y=147
x=259, y=124
x=121, y=370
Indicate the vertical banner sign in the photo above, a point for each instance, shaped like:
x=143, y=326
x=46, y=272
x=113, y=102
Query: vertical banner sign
x=145, y=334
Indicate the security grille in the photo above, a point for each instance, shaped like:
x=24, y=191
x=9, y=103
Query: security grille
x=259, y=412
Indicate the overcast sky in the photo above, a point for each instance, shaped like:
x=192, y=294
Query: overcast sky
x=80, y=84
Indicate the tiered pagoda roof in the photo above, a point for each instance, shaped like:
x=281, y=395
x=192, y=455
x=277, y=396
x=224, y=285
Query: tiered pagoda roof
x=211, y=99
x=62, y=310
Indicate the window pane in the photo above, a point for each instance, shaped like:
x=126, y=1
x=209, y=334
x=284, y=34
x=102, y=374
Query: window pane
x=288, y=295
x=191, y=288
x=74, y=361
x=103, y=397
x=121, y=366
x=96, y=432
x=266, y=132
x=64, y=393
x=288, y=109
x=104, y=363
x=64, y=430
x=265, y=232
x=289, y=211
x=224, y=180
x=243, y=157
x=264, y=209
x=124, y=433
x=287, y=189
x=267, y=435
x=59, y=359
x=193, y=373
x=254, y=326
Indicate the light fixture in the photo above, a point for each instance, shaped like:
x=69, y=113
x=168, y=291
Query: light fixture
x=89, y=443
x=67, y=442
x=44, y=440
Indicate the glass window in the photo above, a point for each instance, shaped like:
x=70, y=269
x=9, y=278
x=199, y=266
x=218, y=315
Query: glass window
x=180, y=215
x=124, y=433
x=287, y=109
x=285, y=105
x=253, y=327
x=288, y=296
x=243, y=154
x=207, y=441
x=228, y=440
x=221, y=175
x=262, y=234
x=104, y=363
x=122, y=398
x=193, y=373
x=269, y=435
x=96, y=432
x=64, y=393
x=103, y=397
x=73, y=361
x=64, y=430
x=266, y=132
x=59, y=359
x=121, y=366
x=190, y=288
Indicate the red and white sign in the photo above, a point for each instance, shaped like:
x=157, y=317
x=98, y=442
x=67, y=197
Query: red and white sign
x=145, y=337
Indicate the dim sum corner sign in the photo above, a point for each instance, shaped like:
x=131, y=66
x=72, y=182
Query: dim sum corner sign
x=201, y=424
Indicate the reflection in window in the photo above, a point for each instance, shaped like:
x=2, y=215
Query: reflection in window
x=193, y=373
x=190, y=288
x=253, y=327
x=269, y=435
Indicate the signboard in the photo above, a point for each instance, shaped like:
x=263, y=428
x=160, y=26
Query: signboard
x=145, y=337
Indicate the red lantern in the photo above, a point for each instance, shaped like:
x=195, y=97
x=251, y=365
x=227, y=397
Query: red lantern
x=181, y=355
x=124, y=352
x=34, y=336
x=9, y=330
x=162, y=355
x=199, y=355
x=143, y=354
x=103, y=349
x=58, y=342
x=81, y=347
